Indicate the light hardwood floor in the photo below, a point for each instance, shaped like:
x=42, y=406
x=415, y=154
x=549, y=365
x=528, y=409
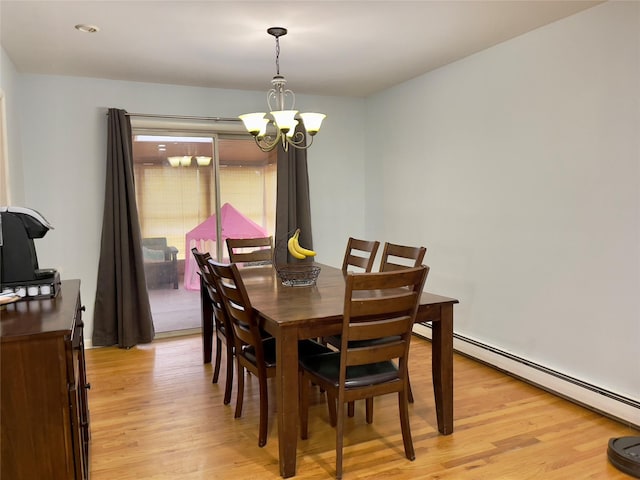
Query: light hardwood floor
x=156, y=415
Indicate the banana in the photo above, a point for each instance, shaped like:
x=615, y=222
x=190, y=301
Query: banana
x=304, y=251
x=296, y=250
x=291, y=245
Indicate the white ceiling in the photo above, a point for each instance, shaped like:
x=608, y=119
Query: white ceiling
x=352, y=48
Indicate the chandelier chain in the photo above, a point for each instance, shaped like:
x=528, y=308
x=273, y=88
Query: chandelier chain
x=277, y=56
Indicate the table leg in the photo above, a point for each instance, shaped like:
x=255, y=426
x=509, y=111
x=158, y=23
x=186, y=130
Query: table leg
x=442, y=368
x=206, y=312
x=287, y=397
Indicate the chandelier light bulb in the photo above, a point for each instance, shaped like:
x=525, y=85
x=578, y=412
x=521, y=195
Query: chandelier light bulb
x=253, y=122
x=312, y=122
x=292, y=131
x=174, y=161
x=285, y=120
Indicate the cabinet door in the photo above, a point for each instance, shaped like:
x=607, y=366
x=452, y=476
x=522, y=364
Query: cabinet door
x=36, y=425
x=83, y=401
x=79, y=408
x=78, y=456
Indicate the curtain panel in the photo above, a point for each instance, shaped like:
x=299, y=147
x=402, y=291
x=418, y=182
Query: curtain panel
x=122, y=313
x=293, y=207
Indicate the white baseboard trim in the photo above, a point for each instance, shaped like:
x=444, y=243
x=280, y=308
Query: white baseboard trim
x=618, y=407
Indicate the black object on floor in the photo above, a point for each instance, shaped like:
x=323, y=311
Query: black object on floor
x=624, y=454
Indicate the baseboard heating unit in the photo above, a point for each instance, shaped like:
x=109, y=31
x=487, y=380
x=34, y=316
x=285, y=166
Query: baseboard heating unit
x=605, y=402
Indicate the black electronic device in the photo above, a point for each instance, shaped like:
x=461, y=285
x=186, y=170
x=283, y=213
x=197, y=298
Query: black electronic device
x=624, y=454
x=19, y=270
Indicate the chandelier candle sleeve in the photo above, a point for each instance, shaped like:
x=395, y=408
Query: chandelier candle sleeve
x=285, y=120
x=292, y=131
x=279, y=127
x=312, y=122
x=255, y=123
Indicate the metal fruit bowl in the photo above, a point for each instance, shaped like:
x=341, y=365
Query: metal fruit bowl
x=298, y=275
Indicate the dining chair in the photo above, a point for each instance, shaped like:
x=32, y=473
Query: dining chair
x=360, y=253
x=255, y=350
x=222, y=327
x=396, y=256
x=255, y=251
x=379, y=309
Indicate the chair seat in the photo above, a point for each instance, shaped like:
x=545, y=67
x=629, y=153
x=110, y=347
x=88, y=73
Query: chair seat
x=310, y=348
x=336, y=341
x=305, y=348
x=327, y=366
x=269, y=349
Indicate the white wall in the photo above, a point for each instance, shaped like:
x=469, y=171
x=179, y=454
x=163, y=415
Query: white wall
x=64, y=136
x=518, y=168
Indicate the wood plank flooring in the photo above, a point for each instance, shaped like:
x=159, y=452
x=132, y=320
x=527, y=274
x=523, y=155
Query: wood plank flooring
x=156, y=415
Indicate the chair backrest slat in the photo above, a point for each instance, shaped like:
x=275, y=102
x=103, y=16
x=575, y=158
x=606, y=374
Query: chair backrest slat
x=250, y=250
x=360, y=253
x=396, y=257
x=377, y=353
x=376, y=329
x=398, y=302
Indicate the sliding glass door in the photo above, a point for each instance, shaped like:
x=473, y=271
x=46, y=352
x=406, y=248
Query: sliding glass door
x=191, y=190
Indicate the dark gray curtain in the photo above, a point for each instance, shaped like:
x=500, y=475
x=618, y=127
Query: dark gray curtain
x=122, y=314
x=293, y=208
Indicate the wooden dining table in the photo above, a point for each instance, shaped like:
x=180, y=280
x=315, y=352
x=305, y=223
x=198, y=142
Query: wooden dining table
x=295, y=313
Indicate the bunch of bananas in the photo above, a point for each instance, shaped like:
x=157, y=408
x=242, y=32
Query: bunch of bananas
x=296, y=250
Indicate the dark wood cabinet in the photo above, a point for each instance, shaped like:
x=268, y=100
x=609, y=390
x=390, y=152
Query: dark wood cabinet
x=44, y=414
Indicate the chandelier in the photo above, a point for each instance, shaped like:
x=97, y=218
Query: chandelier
x=280, y=125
